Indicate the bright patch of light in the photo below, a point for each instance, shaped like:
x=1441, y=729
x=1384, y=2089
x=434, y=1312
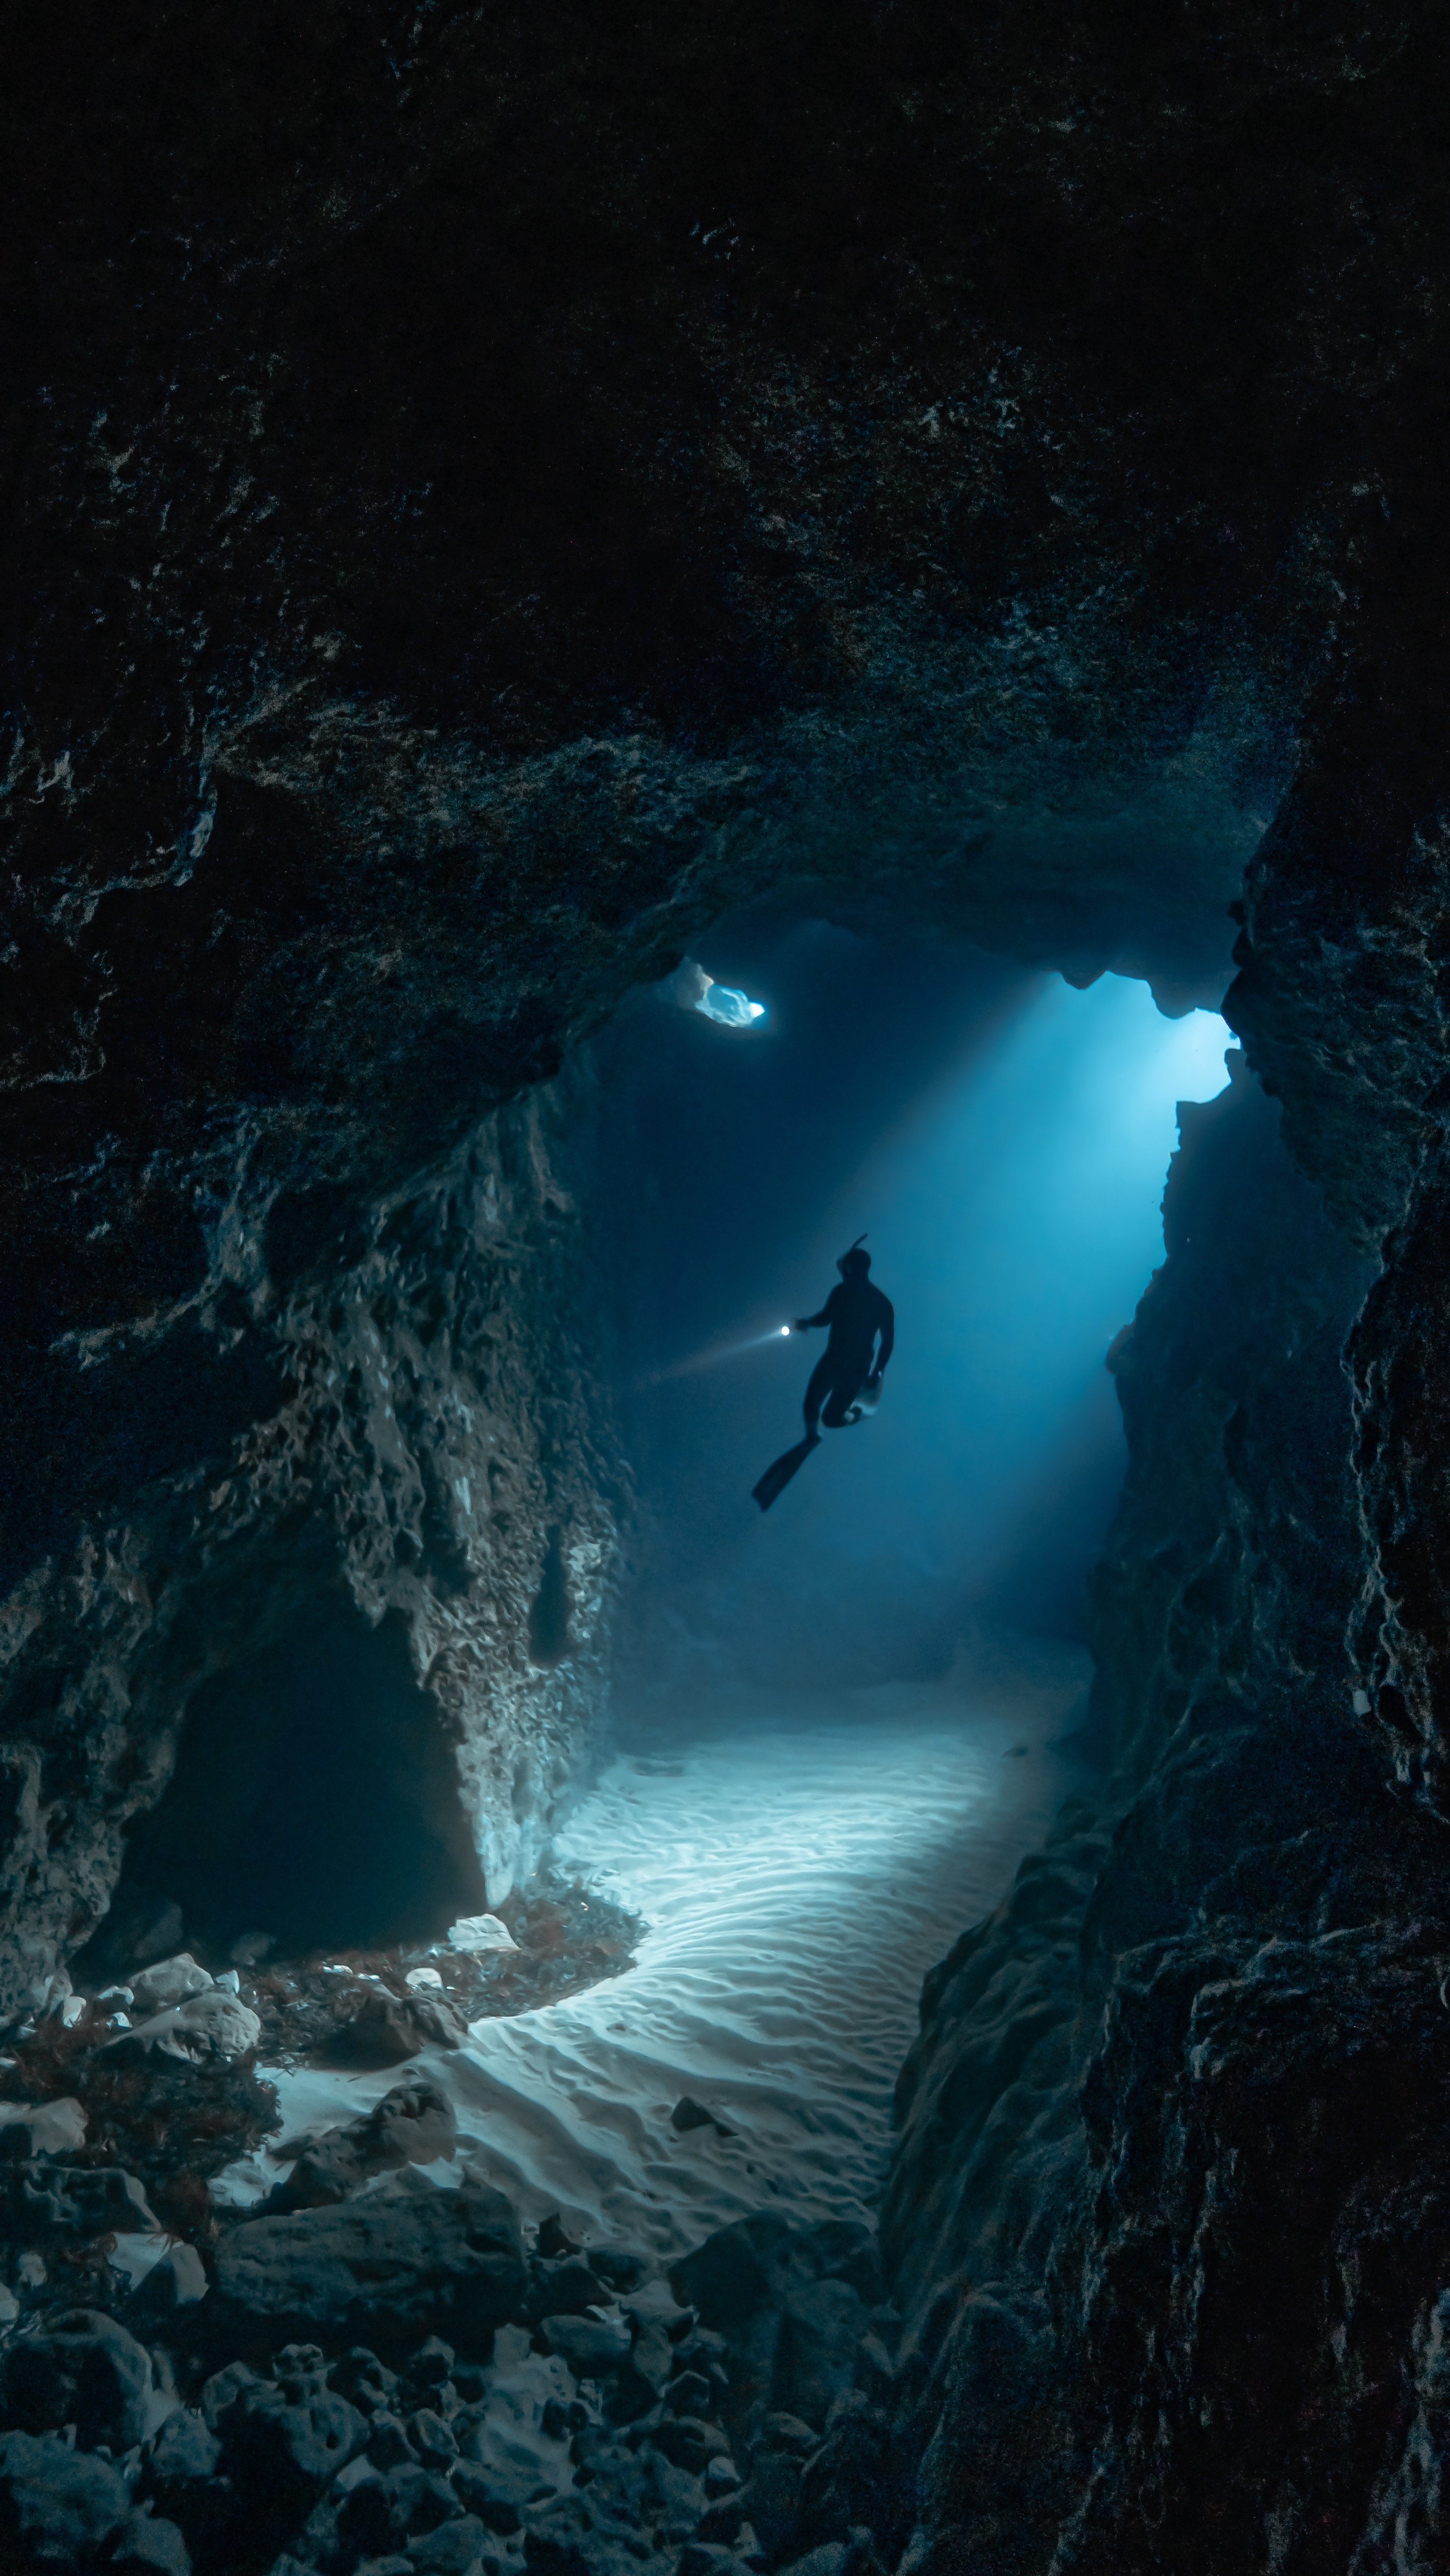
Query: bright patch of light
x=1192, y=1055
x=716, y=1352
x=732, y=1009
x=1016, y=1221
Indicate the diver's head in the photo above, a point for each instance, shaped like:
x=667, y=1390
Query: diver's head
x=855, y=1263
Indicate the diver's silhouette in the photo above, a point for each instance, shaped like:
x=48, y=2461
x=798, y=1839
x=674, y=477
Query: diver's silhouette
x=846, y=1380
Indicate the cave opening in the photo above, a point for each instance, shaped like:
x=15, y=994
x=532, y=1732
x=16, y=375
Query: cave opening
x=838, y=1726
x=314, y=1805
x=1003, y=1138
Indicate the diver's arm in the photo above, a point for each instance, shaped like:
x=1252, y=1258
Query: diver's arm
x=887, y=1330
x=827, y=1315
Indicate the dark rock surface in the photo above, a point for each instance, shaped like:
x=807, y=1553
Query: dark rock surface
x=1163, y=2213
x=482, y=505
x=622, y=2439
x=399, y=2266
x=487, y=496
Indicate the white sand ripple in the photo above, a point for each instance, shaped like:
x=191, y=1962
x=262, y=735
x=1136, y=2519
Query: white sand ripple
x=797, y=1880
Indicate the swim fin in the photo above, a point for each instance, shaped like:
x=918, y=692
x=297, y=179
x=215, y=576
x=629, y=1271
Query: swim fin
x=776, y=1478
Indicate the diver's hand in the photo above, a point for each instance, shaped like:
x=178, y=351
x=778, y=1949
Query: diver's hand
x=800, y=1324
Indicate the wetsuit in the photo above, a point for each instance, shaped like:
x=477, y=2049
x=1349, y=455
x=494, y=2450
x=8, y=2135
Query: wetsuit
x=858, y=1315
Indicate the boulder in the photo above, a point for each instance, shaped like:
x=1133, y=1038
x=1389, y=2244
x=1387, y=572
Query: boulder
x=431, y=2439
x=213, y=2024
x=223, y=2389
x=88, y=2371
x=146, y=2545
x=177, y=2281
x=388, y=2028
x=44, y=2200
x=184, y=2455
x=478, y=1932
x=169, y=1982
x=418, y=2501
x=392, y=2266
x=29, y=2129
x=454, y=2549
x=432, y=2364
x=593, y=2347
x=413, y=2124
x=58, y=2508
x=565, y=2289
x=290, y=2447
x=791, y=2303
x=687, y=2443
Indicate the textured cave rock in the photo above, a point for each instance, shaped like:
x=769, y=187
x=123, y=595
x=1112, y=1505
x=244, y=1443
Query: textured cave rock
x=438, y=1427
x=487, y=496
x=1166, y=2189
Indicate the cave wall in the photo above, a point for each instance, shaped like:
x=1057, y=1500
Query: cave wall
x=1165, y=2191
x=486, y=496
x=437, y=1448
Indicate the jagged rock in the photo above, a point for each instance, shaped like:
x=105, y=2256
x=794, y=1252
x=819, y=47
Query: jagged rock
x=432, y=2363
x=388, y=2446
x=829, y=2560
x=569, y=2287
x=363, y=2379
x=413, y=2124
x=688, y=2443
x=30, y=2129
x=391, y=2265
x=44, y=2200
x=787, y=2300
x=184, y=2455
x=170, y=1981
x=58, y=2508
x=454, y=2549
x=481, y=1932
x=177, y=2281
x=290, y=2444
x=385, y=2029
x=418, y=2501
x=210, y=2024
x=593, y=2347
x=148, y=2545
x=431, y=2439
x=690, y=2393
x=846, y=2483
x=623, y=2271
x=223, y=2389
x=84, y=2369
x=689, y=2114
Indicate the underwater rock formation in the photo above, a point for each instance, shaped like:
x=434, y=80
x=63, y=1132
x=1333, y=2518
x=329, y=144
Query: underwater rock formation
x=490, y=512
x=435, y=1432
x=1165, y=2187
x=486, y=499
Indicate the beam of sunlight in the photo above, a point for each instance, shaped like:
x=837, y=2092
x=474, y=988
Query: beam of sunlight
x=1016, y=1221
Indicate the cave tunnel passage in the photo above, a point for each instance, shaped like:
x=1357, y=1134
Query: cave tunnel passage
x=315, y=1799
x=1004, y=1138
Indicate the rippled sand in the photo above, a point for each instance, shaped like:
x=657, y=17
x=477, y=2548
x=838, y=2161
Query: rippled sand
x=798, y=1878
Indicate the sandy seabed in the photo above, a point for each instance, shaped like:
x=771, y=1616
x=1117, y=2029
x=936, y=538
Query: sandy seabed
x=798, y=1873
